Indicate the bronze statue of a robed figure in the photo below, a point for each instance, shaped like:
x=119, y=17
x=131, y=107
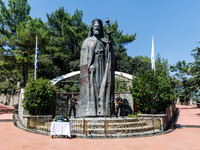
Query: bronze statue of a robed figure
x=97, y=73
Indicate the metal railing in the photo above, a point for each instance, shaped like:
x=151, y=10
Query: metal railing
x=39, y=122
x=113, y=126
x=104, y=126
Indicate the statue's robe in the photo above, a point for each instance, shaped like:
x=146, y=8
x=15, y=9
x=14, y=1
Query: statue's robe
x=96, y=78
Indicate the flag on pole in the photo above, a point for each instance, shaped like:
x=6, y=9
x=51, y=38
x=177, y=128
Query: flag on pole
x=36, y=57
x=152, y=56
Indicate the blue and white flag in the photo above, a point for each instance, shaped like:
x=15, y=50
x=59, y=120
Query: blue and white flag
x=36, y=57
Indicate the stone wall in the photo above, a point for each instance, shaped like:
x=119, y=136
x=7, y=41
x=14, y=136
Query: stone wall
x=2, y=98
x=16, y=100
x=62, y=101
x=9, y=99
x=165, y=119
x=170, y=111
x=21, y=111
x=62, y=98
x=159, y=120
x=61, y=105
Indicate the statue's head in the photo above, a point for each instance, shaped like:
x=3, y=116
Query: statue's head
x=96, y=28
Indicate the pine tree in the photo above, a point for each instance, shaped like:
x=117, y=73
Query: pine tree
x=10, y=19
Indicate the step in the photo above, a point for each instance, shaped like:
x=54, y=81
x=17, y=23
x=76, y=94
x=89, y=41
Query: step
x=104, y=119
x=122, y=129
x=101, y=128
x=119, y=135
x=115, y=131
x=113, y=125
x=44, y=128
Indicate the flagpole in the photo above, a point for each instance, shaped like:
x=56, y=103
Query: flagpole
x=36, y=55
x=152, y=55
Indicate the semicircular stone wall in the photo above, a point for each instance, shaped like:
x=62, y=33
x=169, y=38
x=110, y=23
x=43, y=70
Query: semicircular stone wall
x=62, y=98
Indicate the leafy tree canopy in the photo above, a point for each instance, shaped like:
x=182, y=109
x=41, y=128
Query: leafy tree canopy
x=10, y=18
x=186, y=77
x=66, y=35
x=194, y=81
x=152, y=91
x=59, y=42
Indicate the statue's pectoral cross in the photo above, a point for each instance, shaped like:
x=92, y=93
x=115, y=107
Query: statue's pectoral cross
x=99, y=51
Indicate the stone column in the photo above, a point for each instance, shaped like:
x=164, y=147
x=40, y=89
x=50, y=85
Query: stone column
x=191, y=101
x=178, y=100
x=4, y=100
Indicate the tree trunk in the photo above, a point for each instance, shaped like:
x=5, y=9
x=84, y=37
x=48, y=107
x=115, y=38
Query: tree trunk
x=25, y=69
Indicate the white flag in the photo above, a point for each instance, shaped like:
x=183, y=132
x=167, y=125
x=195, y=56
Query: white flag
x=152, y=56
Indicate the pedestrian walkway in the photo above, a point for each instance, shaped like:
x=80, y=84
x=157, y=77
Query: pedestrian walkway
x=6, y=112
x=189, y=116
x=13, y=138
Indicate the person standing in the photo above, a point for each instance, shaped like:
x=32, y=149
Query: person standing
x=119, y=104
x=72, y=105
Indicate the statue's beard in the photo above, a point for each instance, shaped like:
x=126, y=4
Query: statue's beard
x=97, y=32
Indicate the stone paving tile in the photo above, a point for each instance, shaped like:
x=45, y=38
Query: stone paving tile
x=13, y=138
x=6, y=116
x=6, y=112
x=189, y=115
x=6, y=107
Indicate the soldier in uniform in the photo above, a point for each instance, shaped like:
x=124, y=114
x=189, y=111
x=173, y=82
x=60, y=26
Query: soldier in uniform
x=119, y=104
x=72, y=105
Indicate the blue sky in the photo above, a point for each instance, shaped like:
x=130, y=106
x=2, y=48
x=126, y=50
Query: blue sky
x=175, y=24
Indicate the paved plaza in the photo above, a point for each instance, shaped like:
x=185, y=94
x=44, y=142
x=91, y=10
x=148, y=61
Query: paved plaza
x=183, y=138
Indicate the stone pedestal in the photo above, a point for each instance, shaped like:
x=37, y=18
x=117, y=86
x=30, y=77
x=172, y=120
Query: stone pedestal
x=191, y=101
x=178, y=100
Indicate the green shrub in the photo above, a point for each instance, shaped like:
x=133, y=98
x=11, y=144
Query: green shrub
x=38, y=96
x=152, y=91
x=120, y=85
x=132, y=116
x=72, y=86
